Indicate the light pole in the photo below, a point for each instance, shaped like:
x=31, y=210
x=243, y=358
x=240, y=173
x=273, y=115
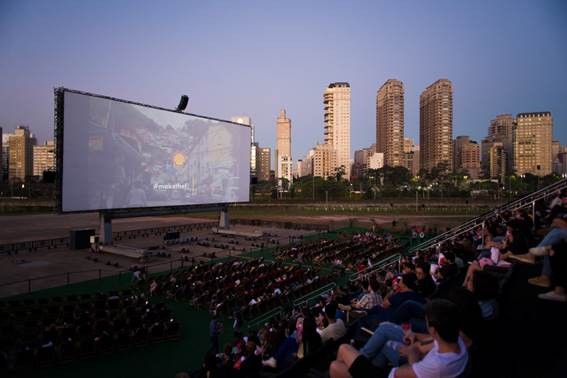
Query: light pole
x=313, y=182
x=416, y=197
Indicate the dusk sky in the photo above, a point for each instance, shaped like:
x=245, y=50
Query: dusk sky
x=255, y=57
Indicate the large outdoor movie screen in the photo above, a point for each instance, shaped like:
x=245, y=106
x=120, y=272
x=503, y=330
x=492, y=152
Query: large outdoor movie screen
x=120, y=155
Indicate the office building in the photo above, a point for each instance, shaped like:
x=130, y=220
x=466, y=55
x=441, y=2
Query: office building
x=263, y=158
x=43, y=158
x=20, y=159
x=283, y=148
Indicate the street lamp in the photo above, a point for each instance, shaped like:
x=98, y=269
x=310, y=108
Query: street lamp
x=416, y=197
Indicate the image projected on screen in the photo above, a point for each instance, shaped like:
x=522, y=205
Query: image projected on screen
x=121, y=155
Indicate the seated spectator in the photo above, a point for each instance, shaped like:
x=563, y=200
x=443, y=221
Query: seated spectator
x=556, y=234
x=425, y=284
x=369, y=300
x=309, y=338
x=485, y=288
x=336, y=328
x=558, y=260
x=286, y=350
x=514, y=243
x=387, y=311
x=446, y=356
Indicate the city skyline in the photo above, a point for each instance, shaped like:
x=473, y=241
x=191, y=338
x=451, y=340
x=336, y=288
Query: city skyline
x=103, y=55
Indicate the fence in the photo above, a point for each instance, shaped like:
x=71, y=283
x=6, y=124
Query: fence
x=53, y=243
x=63, y=279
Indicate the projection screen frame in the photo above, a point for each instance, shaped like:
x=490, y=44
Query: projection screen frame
x=59, y=111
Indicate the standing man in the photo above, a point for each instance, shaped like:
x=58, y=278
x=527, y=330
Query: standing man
x=215, y=329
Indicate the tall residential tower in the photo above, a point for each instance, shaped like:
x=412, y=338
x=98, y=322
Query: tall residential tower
x=390, y=122
x=436, y=125
x=336, y=101
x=533, y=134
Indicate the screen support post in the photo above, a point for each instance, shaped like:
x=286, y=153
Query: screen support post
x=105, y=228
x=224, y=220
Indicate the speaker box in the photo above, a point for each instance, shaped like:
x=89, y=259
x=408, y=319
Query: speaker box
x=171, y=235
x=80, y=239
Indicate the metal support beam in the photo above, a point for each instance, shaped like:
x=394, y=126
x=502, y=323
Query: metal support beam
x=533, y=216
x=105, y=228
x=224, y=220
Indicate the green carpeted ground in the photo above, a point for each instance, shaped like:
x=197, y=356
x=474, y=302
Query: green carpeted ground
x=156, y=360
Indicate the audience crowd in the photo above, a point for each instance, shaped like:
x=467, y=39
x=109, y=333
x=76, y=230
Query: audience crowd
x=430, y=316
x=44, y=331
x=244, y=287
x=355, y=253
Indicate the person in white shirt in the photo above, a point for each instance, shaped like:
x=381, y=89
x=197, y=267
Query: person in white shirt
x=336, y=328
x=443, y=355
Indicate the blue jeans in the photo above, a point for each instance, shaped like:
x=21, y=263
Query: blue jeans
x=376, y=348
x=553, y=237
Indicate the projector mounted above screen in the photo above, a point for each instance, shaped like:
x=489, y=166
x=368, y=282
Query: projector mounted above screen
x=116, y=154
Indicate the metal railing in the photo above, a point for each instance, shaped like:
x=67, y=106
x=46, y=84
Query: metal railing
x=265, y=317
x=382, y=265
x=525, y=201
x=304, y=300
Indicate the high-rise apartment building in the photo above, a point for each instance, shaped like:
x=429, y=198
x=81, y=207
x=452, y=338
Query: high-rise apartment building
x=466, y=153
x=366, y=159
x=324, y=161
x=336, y=101
x=390, y=122
x=246, y=120
x=376, y=160
x=360, y=165
x=497, y=161
x=263, y=158
x=555, y=149
x=411, y=156
x=560, y=166
x=283, y=148
x=1, y=159
x=436, y=125
x=305, y=165
x=5, y=157
x=20, y=159
x=500, y=131
x=43, y=158
x=533, y=134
